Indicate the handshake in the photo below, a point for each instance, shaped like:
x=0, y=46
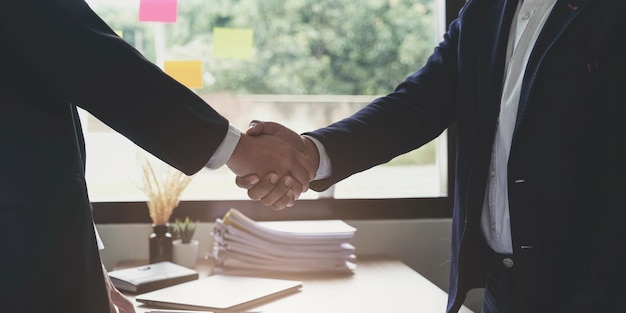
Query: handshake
x=274, y=164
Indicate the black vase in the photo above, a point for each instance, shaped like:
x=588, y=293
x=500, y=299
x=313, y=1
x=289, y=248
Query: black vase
x=160, y=244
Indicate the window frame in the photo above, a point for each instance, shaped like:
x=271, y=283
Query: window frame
x=305, y=209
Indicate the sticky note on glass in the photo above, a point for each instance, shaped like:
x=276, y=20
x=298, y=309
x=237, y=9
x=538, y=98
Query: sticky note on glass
x=188, y=73
x=165, y=11
x=232, y=43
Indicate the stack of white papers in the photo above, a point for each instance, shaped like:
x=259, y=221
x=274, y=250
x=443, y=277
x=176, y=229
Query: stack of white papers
x=242, y=245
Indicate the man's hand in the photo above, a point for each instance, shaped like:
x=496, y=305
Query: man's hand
x=270, y=190
x=117, y=301
x=276, y=159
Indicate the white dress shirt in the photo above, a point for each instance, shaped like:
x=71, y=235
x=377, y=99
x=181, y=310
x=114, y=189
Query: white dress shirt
x=527, y=23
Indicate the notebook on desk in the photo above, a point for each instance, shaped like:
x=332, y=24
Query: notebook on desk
x=149, y=277
x=220, y=293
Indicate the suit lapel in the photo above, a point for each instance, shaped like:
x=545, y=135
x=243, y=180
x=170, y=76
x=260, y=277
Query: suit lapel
x=563, y=13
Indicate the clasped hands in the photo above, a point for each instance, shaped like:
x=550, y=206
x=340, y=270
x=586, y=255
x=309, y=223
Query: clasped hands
x=274, y=164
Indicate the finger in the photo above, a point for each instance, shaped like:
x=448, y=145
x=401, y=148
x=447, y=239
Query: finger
x=263, y=187
x=302, y=174
x=308, y=164
x=247, y=182
x=275, y=196
x=296, y=187
x=112, y=308
x=286, y=200
x=110, y=292
x=123, y=304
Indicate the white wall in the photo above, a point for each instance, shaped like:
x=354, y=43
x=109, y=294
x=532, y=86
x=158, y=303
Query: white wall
x=423, y=244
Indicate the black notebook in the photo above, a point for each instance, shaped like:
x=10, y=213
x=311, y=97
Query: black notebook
x=150, y=277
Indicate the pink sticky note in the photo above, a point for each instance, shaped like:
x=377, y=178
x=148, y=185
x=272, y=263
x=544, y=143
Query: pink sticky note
x=165, y=11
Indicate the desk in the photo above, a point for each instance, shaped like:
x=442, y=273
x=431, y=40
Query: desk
x=378, y=285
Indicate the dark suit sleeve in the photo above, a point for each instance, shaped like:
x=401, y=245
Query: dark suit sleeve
x=416, y=112
x=74, y=53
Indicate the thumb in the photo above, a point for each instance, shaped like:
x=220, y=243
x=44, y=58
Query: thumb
x=247, y=182
x=255, y=128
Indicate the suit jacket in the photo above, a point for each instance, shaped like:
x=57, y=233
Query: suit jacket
x=57, y=55
x=566, y=173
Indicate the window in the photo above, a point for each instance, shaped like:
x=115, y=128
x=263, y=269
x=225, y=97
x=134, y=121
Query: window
x=303, y=63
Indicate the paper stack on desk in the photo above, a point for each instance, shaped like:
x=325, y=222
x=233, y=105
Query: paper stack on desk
x=242, y=245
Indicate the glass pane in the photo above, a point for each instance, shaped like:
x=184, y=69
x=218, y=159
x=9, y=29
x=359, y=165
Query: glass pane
x=309, y=63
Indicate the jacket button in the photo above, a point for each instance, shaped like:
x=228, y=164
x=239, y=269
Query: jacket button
x=507, y=262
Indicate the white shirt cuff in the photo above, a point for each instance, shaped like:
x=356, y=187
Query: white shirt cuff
x=324, y=170
x=225, y=149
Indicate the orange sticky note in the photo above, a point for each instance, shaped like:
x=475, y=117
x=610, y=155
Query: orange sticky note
x=165, y=11
x=233, y=43
x=188, y=73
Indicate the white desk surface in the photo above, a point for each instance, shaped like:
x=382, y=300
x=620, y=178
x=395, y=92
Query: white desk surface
x=378, y=285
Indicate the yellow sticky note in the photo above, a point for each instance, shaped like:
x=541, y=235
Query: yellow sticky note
x=233, y=43
x=188, y=73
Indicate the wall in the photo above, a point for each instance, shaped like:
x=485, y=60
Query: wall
x=423, y=244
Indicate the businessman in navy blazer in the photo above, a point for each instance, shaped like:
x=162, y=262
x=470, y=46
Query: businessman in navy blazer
x=536, y=89
x=57, y=55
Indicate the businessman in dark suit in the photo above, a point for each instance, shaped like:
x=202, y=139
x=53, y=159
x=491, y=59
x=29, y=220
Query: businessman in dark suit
x=57, y=55
x=536, y=90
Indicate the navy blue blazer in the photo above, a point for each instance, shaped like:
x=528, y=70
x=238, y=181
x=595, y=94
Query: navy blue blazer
x=566, y=173
x=57, y=55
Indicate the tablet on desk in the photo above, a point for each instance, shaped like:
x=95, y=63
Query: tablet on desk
x=220, y=293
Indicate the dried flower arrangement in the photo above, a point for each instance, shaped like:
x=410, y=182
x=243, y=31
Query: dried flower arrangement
x=163, y=190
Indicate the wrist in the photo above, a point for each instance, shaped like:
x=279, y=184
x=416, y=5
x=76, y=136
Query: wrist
x=224, y=151
x=236, y=158
x=310, y=150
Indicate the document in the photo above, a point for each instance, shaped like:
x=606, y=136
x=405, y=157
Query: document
x=221, y=293
x=242, y=245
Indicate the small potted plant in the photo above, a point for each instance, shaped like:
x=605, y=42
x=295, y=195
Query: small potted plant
x=185, y=248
